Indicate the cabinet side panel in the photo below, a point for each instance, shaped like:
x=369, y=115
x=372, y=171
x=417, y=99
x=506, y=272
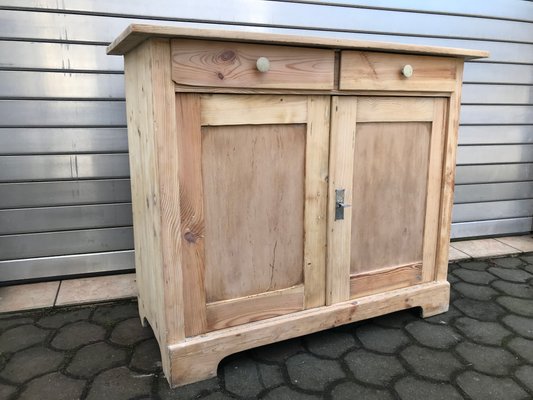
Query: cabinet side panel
x=448, y=178
x=145, y=190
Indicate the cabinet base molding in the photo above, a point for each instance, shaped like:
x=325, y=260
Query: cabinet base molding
x=197, y=358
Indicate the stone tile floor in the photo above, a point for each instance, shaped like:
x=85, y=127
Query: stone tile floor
x=481, y=349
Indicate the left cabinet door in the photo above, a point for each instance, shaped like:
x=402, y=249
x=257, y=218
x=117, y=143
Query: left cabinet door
x=253, y=186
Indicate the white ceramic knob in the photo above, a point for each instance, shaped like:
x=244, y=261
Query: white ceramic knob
x=262, y=64
x=407, y=71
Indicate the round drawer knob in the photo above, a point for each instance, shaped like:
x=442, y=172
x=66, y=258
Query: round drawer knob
x=407, y=71
x=262, y=64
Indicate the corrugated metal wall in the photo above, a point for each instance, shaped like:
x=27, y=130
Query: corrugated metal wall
x=64, y=189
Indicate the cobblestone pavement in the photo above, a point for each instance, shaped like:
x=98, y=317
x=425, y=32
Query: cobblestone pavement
x=481, y=349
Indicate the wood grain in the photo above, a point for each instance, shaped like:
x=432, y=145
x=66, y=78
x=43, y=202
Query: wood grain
x=191, y=200
x=315, y=203
x=252, y=110
x=365, y=70
x=223, y=314
x=341, y=160
x=253, y=179
x=198, y=358
x=389, y=194
x=135, y=34
x=230, y=64
x=395, y=109
x=381, y=280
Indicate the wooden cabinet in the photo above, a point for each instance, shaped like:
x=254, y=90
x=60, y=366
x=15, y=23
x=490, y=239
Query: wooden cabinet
x=283, y=185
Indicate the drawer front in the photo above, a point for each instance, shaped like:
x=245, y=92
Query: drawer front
x=366, y=70
x=234, y=65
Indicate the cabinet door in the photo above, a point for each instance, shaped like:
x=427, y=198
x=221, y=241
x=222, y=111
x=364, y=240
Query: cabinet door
x=386, y=155
x=253, y=204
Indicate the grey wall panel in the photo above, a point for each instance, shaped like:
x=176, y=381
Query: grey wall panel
x=67, y=242
x=493, y=173
x=62, y=140
x=28, y=113
x=498, y=73
x=493, y=154
x=46, y=267
x=491, y=228
x=496, y=115
x=57, y=56
x=55, y=167
x=76, y=27
x=37, y=84
x=493, y=192
x=497, y=94
x=495, y=134
x=492, y=210
x=47, y=219
x=45, y=194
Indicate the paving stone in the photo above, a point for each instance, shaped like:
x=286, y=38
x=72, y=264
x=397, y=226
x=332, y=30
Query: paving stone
x=521, y=325
x=522, y=290
x=484, y=332
x=411, y=388
x=453, y=279
x=481, y=310
x=380, y=339
x=351, y=391
x=77, y=334
x=54, y=386
x=21, y=337
x=130, y=331
x=217, y=396
x=12, y=322
x=445, y=318
x=91, y=359
x=279, y=352
x=477, y=277
x=439, y=337
x=511, y=274
x=474, y=265
x=529, y=269
x=433, y=364
x=475, y=292
x=491, y=360
x=192, y=391
x=373, y=368
x=395, y=320
x=270, y=375
x=284, y=393
x=508, y=262
x=109, y=314
x=483, y=387
x=6, y=391
x=31, y=362
x=311, y=373
x=147, y=356
x=241, y=376
x=329, y=344
x=525, y=374
x=518, y=306
x=527, y=258
x=522, y=347
x=61, y=318
x=119, y=383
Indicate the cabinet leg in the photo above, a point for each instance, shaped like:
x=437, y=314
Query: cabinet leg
x=189, y=369
x=142, y=313
x=431, y=309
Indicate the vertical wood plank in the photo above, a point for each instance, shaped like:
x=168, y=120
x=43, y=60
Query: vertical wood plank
x=434, y=179
x=445, y=220
x=343, y=127
x=189, y=149
x=316, y=175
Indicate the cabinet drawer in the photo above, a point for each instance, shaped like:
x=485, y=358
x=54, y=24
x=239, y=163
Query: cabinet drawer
x=366, y=70
x=234, y=65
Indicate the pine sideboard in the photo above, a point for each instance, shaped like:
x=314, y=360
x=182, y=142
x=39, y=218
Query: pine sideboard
x=283, y=185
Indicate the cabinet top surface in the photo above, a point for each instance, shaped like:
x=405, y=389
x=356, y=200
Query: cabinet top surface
x=135, y=34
